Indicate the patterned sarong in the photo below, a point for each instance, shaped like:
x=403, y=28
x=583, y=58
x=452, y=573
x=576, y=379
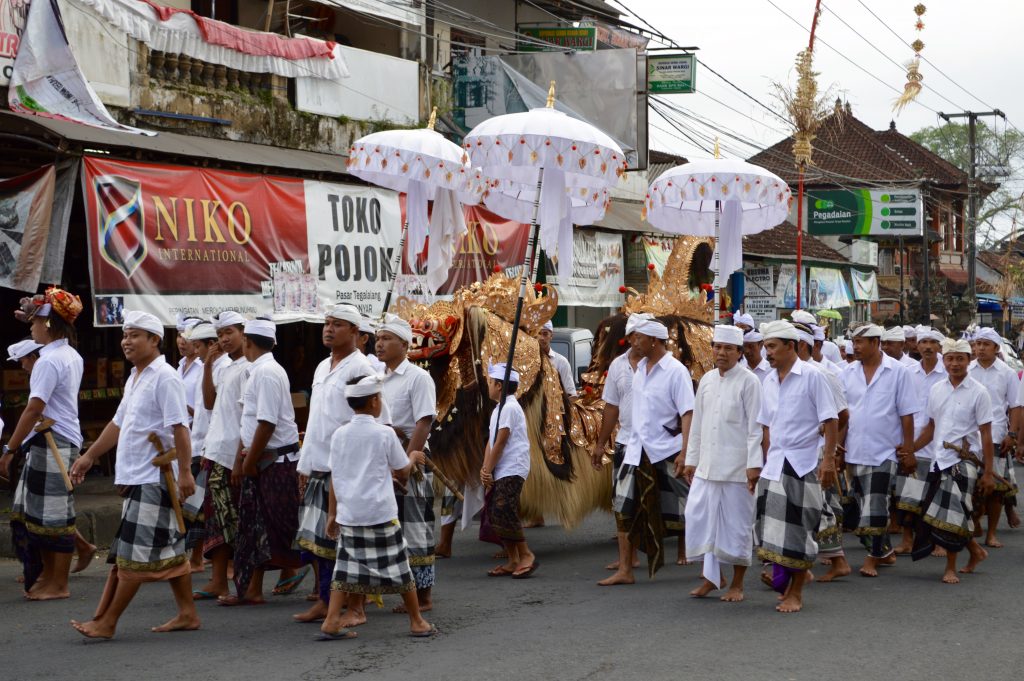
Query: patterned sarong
x=220, y=508
x=195, y=520
x=788, y=518
x=41, y=501
x=147, y=541
x=268, y=522
x=416, y=514
x=312, y=535
x=649, y=505
x=372, y=560
x=946, y=521
x=910, y=490
x=1003, y=465
x=871, y=487
x=503, y=509
x=830, y=527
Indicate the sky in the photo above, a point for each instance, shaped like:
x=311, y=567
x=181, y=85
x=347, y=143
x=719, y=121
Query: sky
x=753, y=44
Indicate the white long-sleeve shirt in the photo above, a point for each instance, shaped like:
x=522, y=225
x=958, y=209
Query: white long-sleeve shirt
x=725, y=437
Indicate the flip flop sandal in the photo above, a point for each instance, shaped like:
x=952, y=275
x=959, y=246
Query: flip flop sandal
x=500, y=571
x=526, y=573
x=287, y=586
x=198, y=595
x=234, y=602
x=424, y=634
x=335, y=636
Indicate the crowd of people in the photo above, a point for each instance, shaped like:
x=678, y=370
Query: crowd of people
x=786, y=442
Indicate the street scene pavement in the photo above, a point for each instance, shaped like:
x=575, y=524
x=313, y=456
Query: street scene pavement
x=558, y=625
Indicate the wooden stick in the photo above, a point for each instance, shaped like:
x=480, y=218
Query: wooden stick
x=444, y=480
x=45, y=426
x=172, y=486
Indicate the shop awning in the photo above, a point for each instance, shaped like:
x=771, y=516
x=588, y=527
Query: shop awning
x=65, y=135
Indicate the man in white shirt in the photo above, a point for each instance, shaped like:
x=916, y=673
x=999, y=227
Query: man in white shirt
x=411, y=397
x=830, y=533
x=148, y=545
x=910, y=334
x=367, y=343
x=894, y=342
x=723, y=463
x=796, y=406
x=959, y=418
x=202, y=337
x=880, y=430
x=822, y=351
x=190, y=366
x=753, y=355
x=650, y=494
x=560, y=363
x=224, y=377
x=1003, y=388
x=328, y=411
x=618, y=410
x=268, y=504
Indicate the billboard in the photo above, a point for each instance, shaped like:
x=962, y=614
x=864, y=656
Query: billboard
x=860, y=212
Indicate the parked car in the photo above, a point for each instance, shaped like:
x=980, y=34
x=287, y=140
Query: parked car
x=1011, y=357
x=576, y=345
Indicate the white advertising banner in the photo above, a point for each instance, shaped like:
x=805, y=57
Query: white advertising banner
x=597, y=271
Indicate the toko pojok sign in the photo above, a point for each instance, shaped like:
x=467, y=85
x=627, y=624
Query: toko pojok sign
x=874, y=212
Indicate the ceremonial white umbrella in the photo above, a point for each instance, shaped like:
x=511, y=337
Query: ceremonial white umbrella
x=718, y=197
x=425, y=166
x=551, y=169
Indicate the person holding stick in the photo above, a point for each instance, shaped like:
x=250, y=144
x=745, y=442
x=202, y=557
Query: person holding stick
x=43, y=511
x=149, y=545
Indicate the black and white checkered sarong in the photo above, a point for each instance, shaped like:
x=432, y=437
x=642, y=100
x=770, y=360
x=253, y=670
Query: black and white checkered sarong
x=870, y=487
x=313, y=513
x=950, y=509
x=788, y=518
x=41, y=501
x=416, y=514
x=910, y=489
x=148, y=539
x=672, y=494
x=372, y=560
x=192, y=509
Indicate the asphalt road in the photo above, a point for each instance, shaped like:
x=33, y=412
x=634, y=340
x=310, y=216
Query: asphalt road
x=905, y=625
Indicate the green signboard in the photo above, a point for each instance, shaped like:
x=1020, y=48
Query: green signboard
x=581, y=38
x=671, y=74
x=860, y=212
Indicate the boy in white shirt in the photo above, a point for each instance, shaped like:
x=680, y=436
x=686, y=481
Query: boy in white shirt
x=505, y=469
x=363, y=516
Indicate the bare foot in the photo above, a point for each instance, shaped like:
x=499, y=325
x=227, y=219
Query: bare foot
x=903, y=549
x=501, y=555
x=826, y=561
x=993, y=543
x=350, y=619
x=977, y=530
x=400, y=608
x=615, y=565
x=977, y=555
x=704, y=589
x=790, y=604
x=617, y=579
x=868, y=570
x=733, y=595
x=887, y=561
x=314, y=614
x=445, y=552
x=939, y=552
x=1012, y=519
x=197, y=568
x=683, y=561
x=836, y=571
x=950, y=577
x=179, y=623
x=46, y=594
x=93, y=629
x=84, y=558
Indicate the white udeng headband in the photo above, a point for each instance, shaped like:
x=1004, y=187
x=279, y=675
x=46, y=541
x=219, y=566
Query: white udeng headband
x=497, y=372
x=368, y=385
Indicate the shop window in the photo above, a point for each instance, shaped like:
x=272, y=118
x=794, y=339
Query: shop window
x=886, y=262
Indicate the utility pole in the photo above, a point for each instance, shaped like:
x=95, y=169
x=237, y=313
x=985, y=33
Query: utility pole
x=972, y=200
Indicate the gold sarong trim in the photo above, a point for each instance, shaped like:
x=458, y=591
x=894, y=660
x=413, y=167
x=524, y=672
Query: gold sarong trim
x=784, y=561
x=316, y=550
x=42, y=530
x=909, y=507
x=871, y=531
x=947, y=527
x=421, y=561
x=366, y=589
x=156, y=566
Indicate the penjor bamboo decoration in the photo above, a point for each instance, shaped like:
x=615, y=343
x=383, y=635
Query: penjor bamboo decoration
x=913, y=86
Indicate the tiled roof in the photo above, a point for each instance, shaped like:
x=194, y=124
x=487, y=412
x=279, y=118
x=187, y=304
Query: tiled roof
x=958, y=277
x=780, y=242
x=847, y=147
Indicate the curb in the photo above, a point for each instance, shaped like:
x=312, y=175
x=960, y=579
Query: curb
x=97, y=525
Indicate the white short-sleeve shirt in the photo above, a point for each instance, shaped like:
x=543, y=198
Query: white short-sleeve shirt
x=874, y=430
x=56, y=379
x=192, y=376
x=958, y=413
x=1003, y=387
x=201, y=415
x=328, y=409
x=153, y=402
x=793, y=411
x=725, y=437
x=222, y=437
x=762, y=369
x=618, y=392
x=659, y=399
x=923, y=383
x=561, y=365
x=267, y=397
x=515, y=458
x=363, y=454
x=410, y=395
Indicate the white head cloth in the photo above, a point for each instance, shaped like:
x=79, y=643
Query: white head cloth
x=203, y=331
x=894, y=334
x=848, y=348
x=367, y=385
x=228, y=318
x=396, y=326
x=743, y=318
x=367, y=325
x=986, y=333
x=261, y=327
x=733, y=335
x=346, y=313
x=497, y=372
x=956, y=345
x=22, y=349
x=803, y=317
x=635, y=319
x=819, y=333
x=549, y=326
x=926, y=333
x=752, y=337
x=779, y=329
x=144, y=321
x=909, y=331
x=803, y=333
x=653, y=328
x=868, y=331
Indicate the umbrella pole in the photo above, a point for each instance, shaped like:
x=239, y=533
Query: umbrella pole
x=395, y=269
x=716, y=264
x=800, y=229
x=531, y=254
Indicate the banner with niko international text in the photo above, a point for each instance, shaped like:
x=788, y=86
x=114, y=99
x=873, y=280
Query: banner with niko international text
x=176, y=240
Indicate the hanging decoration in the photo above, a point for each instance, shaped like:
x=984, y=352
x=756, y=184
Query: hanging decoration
x=913, y=86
